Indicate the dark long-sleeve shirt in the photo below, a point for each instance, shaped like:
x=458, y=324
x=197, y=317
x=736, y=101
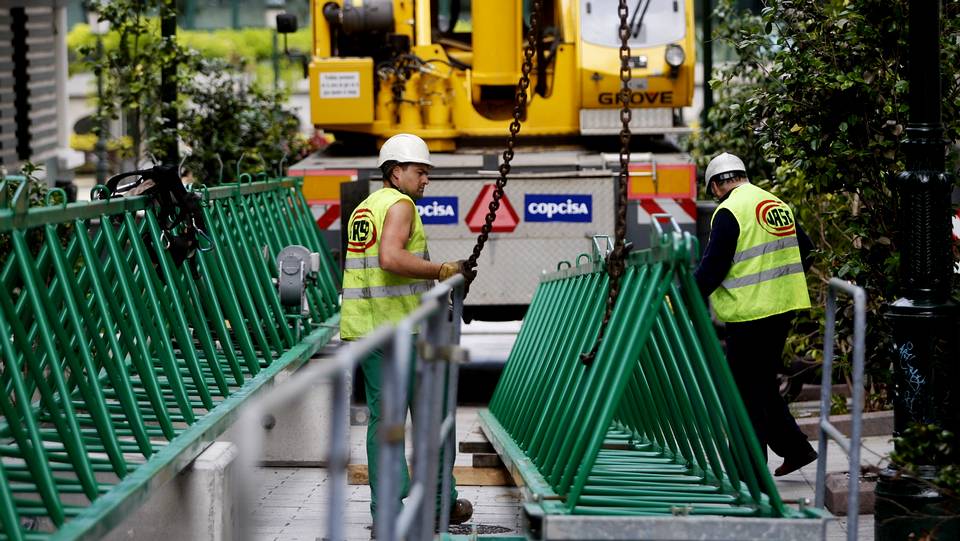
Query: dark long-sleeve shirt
x=718, y=255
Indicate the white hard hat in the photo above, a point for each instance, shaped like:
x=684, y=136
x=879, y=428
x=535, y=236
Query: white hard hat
x=724, y=166
x=404, y=148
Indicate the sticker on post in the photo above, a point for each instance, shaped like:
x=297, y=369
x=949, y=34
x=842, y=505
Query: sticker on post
x=539, y=207
x=340, y=84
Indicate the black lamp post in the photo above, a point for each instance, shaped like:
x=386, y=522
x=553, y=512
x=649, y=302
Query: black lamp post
x=168, y=83
x=924, y=321
x=98, y=28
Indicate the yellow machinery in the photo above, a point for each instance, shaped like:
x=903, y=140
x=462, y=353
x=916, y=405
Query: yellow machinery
x=447, y=69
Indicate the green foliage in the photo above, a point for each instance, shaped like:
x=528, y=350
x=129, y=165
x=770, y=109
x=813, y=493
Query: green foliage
x=132, y=70
x=838, y=404
x=816, y=106
x=229, y=118
x=927, y=444
x=36, y=193
x=243, y=49
x=219, y=114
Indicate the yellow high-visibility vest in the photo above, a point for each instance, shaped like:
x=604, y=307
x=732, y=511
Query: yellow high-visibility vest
x=371, y=295
x=766, y=277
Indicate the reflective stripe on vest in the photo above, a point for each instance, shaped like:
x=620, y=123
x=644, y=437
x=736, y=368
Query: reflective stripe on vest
x=765, y=248
x=373, y=261
x=380, y=292
x=766, y=276
x=763, y=276
x=371, y=295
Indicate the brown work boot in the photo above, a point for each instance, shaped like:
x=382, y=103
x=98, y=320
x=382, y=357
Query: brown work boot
x=792, y=464
x=461, y=511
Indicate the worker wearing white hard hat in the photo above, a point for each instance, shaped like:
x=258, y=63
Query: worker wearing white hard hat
x=386, y=268
x=752, y=270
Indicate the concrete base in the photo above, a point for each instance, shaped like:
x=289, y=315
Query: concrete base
x=838, y=490
x=197, y=504
x=688, y=528
x=299, y=434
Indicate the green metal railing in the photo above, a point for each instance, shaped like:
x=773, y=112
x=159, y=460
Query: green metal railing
x=655, y=426
x=119, y=366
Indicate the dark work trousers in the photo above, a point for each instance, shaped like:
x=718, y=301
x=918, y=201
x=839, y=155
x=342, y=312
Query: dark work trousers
x=372, y=385
x=755, y=353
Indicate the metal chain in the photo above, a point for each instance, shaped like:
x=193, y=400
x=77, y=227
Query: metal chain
x=616, y=259
x=519, y=112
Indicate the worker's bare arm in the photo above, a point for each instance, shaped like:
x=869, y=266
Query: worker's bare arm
x=393, y=256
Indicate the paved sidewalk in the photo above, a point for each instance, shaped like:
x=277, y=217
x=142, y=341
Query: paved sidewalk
x=291, y=502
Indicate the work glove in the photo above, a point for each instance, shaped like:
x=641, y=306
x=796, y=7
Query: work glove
x=450, y=268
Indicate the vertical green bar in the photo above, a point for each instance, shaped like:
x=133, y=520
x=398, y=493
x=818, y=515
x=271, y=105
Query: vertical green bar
x=258, y=233
x=631, y=307
x=93, y=393
x=590, y=311
x=178, y=309
x=167, y=316
x=168, y=363
x=257, y=276
x=112, y=318
x=9, y=518
x=65, y=419
x=27, y=437
x=213, y=270
x=235, y=267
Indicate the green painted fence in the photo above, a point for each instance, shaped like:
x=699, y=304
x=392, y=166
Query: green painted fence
x=655, y=426
x=119, y=366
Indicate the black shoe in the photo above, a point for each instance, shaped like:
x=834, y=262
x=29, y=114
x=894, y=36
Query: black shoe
x=373, y=531
x=792, y=464
x=461, y=511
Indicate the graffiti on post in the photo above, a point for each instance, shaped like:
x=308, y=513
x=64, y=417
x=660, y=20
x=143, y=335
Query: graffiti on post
x=913, y=379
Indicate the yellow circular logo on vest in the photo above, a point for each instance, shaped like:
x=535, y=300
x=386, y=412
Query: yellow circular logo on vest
x=775, y=218
x=363, y=232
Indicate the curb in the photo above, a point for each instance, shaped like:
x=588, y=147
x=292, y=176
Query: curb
x=875, y=423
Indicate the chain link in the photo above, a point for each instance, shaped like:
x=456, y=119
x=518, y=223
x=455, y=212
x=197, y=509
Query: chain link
x=616, y=260
x=519, y=112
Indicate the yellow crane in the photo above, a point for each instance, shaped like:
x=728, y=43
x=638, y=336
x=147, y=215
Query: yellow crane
x=447, y=69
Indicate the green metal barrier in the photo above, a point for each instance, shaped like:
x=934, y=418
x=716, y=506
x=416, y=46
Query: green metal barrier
x=655, y=426
x=119, y=366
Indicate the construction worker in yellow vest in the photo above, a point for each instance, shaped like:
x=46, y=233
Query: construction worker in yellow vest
x=387, y=267
x=752, y=270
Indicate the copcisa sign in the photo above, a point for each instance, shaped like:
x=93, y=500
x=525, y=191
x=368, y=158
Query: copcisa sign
x=437, y=210
x=539, y=207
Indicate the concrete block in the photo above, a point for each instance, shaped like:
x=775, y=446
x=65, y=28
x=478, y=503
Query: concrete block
x=487, y=460
x=197, y=504
x=875, y=423
x=299, y=434
x=838, y=490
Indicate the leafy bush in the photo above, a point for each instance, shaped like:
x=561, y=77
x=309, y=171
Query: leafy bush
x=926, y=444
x=816, y=105
x=229, y=118
x=219, y=113
x=37, y=193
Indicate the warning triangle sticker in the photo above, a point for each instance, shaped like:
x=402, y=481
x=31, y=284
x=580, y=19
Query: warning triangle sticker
x=507, y=218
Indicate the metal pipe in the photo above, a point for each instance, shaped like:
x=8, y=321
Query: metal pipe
x=706, y=12
x=422, y=18
x=851, y=445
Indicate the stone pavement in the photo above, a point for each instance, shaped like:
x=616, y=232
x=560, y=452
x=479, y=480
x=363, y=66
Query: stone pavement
x=291, y=502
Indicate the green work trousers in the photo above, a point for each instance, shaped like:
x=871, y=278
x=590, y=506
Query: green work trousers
x=372, y=385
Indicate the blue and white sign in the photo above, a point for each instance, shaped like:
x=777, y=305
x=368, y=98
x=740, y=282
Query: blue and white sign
x=543, y=207
x=437, y=210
